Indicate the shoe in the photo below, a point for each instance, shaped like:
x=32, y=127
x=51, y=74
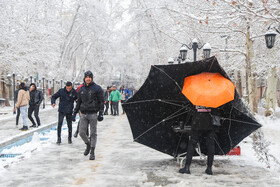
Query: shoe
x=87, y=149
x=58, y=141
x=76, y=134
x=69, y=140
x=24, y=128
x=92, y=156
x=185, y=169
x=208, y=171
x=33, y=126
x=38, y=126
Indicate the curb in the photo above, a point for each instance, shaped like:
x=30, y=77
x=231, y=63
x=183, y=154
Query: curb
x=26, y=135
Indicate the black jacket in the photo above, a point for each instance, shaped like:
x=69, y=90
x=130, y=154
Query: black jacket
x=106, y=96
x=66, y=100
x=90, y=99
x=36, y=97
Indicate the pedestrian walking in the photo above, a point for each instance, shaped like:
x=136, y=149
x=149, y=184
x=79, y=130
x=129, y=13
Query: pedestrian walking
x=67, y=96
x=115, y=98
x=90, y=102
x=36, y=98
x=201, y=127
x=106, y=100
x=18, y=110
x=125, y=93
x=22, y=103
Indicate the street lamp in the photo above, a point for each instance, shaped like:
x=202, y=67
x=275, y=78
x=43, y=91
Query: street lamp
x=206, y=50
x=183, y=52
x=14, y=90
x=194, y=45
x=43, y=79
x=170, y=60
x=270, y=36
x=53, y=86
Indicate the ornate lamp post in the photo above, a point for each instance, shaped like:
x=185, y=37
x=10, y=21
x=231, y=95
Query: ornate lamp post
x=43, y=79
x=14, y=90
x=194, y=45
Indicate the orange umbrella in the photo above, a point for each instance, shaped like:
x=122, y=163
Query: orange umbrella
x=208, y=89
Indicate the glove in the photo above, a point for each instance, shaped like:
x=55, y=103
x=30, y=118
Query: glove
x=100, y=116
x=74, y=117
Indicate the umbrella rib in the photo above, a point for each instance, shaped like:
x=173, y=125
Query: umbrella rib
x=160, y=100
x=168, y=118
x=168, y=77
x=239, y=121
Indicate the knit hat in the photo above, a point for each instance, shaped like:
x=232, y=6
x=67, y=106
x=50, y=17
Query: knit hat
x=88, y=73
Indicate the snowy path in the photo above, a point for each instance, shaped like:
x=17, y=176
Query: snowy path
x=121, y=162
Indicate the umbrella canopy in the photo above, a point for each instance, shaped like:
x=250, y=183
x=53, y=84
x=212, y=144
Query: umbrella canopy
x=159, y=105
x=208, y=89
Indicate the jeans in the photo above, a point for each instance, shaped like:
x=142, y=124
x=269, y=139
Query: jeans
x=69, y=124
x=115, y=107
x=23, y=110
x=85, y=121
x=36, y=114
x=107, y=107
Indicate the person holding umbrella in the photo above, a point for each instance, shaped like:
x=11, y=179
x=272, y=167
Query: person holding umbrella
x=202, y=127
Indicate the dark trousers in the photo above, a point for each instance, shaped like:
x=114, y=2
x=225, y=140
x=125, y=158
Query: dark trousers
x=111, y=106
x=106, y=107
x=34, y=109
x=195, y=135
x=115, y=108
x=17, y=117
x=69, y=124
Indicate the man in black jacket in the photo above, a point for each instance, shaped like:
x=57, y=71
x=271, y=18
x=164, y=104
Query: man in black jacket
x=90, y=101
x=36, y=98
x=67, y=97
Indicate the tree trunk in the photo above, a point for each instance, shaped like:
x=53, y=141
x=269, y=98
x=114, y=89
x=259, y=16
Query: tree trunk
x=271, y=93
x=238, y=83
x=251, y=74
x=4, y=92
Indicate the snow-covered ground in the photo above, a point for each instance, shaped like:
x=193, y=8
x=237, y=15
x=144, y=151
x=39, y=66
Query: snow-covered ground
x=122, y=162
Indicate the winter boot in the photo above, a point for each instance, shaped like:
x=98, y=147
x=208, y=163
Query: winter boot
x=69, y=140
x=87, y=149
x=185, y=169
x=209, y=170
x=24, y=128
x=76, y=134
x=58, y=141
x=92, y=156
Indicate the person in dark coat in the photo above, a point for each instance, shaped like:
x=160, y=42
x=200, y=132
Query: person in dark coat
x=106, y=100
x=90, y=102
x=202, y=127
x=67, y=97
x=36, y=98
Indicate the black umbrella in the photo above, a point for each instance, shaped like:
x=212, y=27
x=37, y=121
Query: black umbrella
x=159, y=105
